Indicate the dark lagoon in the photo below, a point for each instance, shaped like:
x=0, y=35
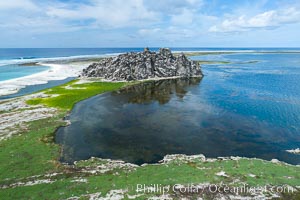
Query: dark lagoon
x=248, y=107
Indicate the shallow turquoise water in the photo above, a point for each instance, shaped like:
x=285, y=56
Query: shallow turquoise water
x=8, y=72
x=250, y=107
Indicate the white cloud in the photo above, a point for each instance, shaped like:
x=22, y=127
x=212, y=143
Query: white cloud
x=149, y=32
x=171, y=7
x=17, y=4
x=38, y=25
x=38, y=16
x=111, y=13
x=170, y=34
x=29, y=17
x=152, y=22
x=265, y=20
x=186, y=17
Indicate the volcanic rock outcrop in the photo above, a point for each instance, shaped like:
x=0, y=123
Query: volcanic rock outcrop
x=144, y=65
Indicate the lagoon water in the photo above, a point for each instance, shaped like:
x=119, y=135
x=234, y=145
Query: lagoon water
x=247, y=107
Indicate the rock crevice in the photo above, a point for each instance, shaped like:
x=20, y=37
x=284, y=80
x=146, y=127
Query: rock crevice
x=144, y=65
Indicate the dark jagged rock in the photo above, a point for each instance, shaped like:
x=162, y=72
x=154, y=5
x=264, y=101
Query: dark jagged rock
x=144, y=65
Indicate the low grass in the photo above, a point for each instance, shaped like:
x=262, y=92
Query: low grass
x=67, y=95
x=191, y=172
x=31, y=153
x=34, y=152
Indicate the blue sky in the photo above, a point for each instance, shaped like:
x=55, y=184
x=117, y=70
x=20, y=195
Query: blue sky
x=154, y=23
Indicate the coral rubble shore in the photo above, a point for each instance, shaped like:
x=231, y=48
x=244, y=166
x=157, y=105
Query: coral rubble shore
x=144, y=65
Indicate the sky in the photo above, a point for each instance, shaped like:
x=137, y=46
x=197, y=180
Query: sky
x=153, y=23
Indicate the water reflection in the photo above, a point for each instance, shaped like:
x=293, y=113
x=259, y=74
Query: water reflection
x=160, y=90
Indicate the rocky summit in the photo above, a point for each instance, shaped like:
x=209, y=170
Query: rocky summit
x=144, y=65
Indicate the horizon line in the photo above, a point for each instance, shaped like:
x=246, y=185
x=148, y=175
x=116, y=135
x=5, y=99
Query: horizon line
x=141, y=47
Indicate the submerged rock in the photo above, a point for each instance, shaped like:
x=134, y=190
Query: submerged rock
x=144, y=65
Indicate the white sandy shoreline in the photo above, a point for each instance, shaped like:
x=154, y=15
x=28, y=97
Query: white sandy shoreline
x=56, y=72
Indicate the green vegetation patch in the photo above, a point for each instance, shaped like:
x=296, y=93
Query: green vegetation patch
x=65, y=96
x=236, y=173
x=34, y=152
x=31, y=153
